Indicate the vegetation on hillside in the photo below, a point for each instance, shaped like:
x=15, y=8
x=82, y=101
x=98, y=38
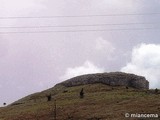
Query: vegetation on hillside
x=99, y=102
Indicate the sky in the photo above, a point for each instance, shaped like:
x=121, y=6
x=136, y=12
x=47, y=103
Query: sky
x=44, y=42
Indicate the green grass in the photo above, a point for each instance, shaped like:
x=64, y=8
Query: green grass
x=100, y=101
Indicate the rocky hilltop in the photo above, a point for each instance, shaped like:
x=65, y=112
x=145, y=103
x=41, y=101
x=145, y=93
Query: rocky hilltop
x=105, y=98
x=112, y=78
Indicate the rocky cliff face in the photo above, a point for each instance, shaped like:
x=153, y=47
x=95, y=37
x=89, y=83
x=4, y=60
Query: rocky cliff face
x=113, y=79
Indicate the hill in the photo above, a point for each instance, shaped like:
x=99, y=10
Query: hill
x=100, y=102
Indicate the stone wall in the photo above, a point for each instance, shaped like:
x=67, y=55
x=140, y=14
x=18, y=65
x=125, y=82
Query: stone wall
x=113, y=79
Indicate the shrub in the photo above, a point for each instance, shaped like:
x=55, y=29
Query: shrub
x=81, y=93
x=156, y=90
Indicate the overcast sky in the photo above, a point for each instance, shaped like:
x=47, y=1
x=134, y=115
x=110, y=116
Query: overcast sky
x=31, y=62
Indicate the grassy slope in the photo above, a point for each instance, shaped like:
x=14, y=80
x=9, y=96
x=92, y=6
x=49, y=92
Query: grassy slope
x=100, y=101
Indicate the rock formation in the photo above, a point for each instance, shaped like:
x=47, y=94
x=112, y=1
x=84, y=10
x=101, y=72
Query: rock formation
x=113, y=79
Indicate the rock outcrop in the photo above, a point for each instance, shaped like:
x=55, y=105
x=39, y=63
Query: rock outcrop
x=113, y=79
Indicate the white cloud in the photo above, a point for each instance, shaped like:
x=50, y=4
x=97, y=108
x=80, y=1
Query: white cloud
x=87, y=68
x=146, y=61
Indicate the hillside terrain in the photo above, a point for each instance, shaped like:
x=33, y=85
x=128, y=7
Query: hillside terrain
x=100, y=102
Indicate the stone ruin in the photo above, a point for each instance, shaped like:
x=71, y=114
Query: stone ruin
x=112, y=79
